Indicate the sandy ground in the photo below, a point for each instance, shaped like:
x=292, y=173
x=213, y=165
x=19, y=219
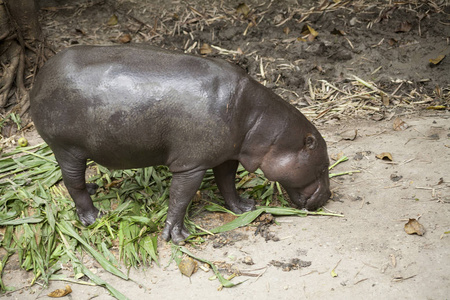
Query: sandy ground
x=368, y=249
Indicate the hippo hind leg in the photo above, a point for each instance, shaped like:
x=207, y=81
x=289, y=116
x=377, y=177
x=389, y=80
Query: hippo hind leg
x=73, y=171
x=225, y=175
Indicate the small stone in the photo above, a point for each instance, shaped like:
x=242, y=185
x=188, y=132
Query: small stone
x=248, y=260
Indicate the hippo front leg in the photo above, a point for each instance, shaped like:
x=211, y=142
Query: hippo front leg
x=225, y=175
x=182, y=190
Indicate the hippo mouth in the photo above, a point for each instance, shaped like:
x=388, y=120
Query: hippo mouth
x=310, y=200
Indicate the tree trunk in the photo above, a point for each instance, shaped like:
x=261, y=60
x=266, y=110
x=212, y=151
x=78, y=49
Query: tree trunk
x=21, y=52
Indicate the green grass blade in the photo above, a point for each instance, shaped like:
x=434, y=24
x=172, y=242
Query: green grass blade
x=97, y=280
x=26, y=220
x=242, y=220
x=67, y=229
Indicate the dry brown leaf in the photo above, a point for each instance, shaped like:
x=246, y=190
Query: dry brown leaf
x=114, y=183
x=438, y=91
x=437, y=107
x=349, y=135
x=404, y=27
x=60, y=292
x=413, y=226
x=312, y=31
x=205, y=49
x=338, y=32
x=286, y=30
x=309, y=33
x=399, y=124
x=392, y=42
x=188, y=266
x=437, y=60
x=384, y=156
x=113, y=20
x=385, y=99
x=80, y=31
x=243, y=9
x=125, y=38
x=337, y=156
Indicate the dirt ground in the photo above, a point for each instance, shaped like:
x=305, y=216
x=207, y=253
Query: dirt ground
x=389, y=46
x=368, y=248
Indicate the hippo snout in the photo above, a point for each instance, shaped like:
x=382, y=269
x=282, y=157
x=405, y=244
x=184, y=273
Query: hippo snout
x=318, y=199
x=313, y=196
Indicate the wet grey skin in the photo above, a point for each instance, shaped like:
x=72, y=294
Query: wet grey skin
x=133, y=106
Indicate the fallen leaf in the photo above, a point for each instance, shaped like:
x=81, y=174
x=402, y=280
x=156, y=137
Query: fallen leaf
x=80, y=31
x=243, y=9
x=385, y=99
x=436, y=107
x=312, y=31
x=60, y=292
x=438, y=91
x=125, y=38
x=319, y=68
x=384, y=156
x=205, y=49
x=413, y=226
x=338, y=32
x=113, y=20
x=404, y=27
x=333, y=273
x=309, y=33
x=392, y=42
x=437, y=60
x=114, y=183
x=286, y=30
x=248, y=260
x=349, y=135
x=399, y=124
x=188, y=266
x=337, y=156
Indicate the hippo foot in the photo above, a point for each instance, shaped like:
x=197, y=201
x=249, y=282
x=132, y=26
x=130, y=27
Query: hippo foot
x=91, y=188
x=87, y=218
x=175, y=232
x=241, y=206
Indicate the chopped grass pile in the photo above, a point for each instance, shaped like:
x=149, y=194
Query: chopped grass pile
x=38, y=219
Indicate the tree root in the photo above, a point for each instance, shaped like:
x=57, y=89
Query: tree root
x=10, y=65
x=22, y=52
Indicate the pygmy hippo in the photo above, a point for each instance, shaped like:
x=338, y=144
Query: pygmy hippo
x=134, y=106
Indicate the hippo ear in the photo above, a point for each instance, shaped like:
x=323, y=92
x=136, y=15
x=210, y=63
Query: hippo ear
x=310, y=142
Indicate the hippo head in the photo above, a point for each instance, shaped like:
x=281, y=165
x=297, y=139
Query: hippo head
x=302, y=169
